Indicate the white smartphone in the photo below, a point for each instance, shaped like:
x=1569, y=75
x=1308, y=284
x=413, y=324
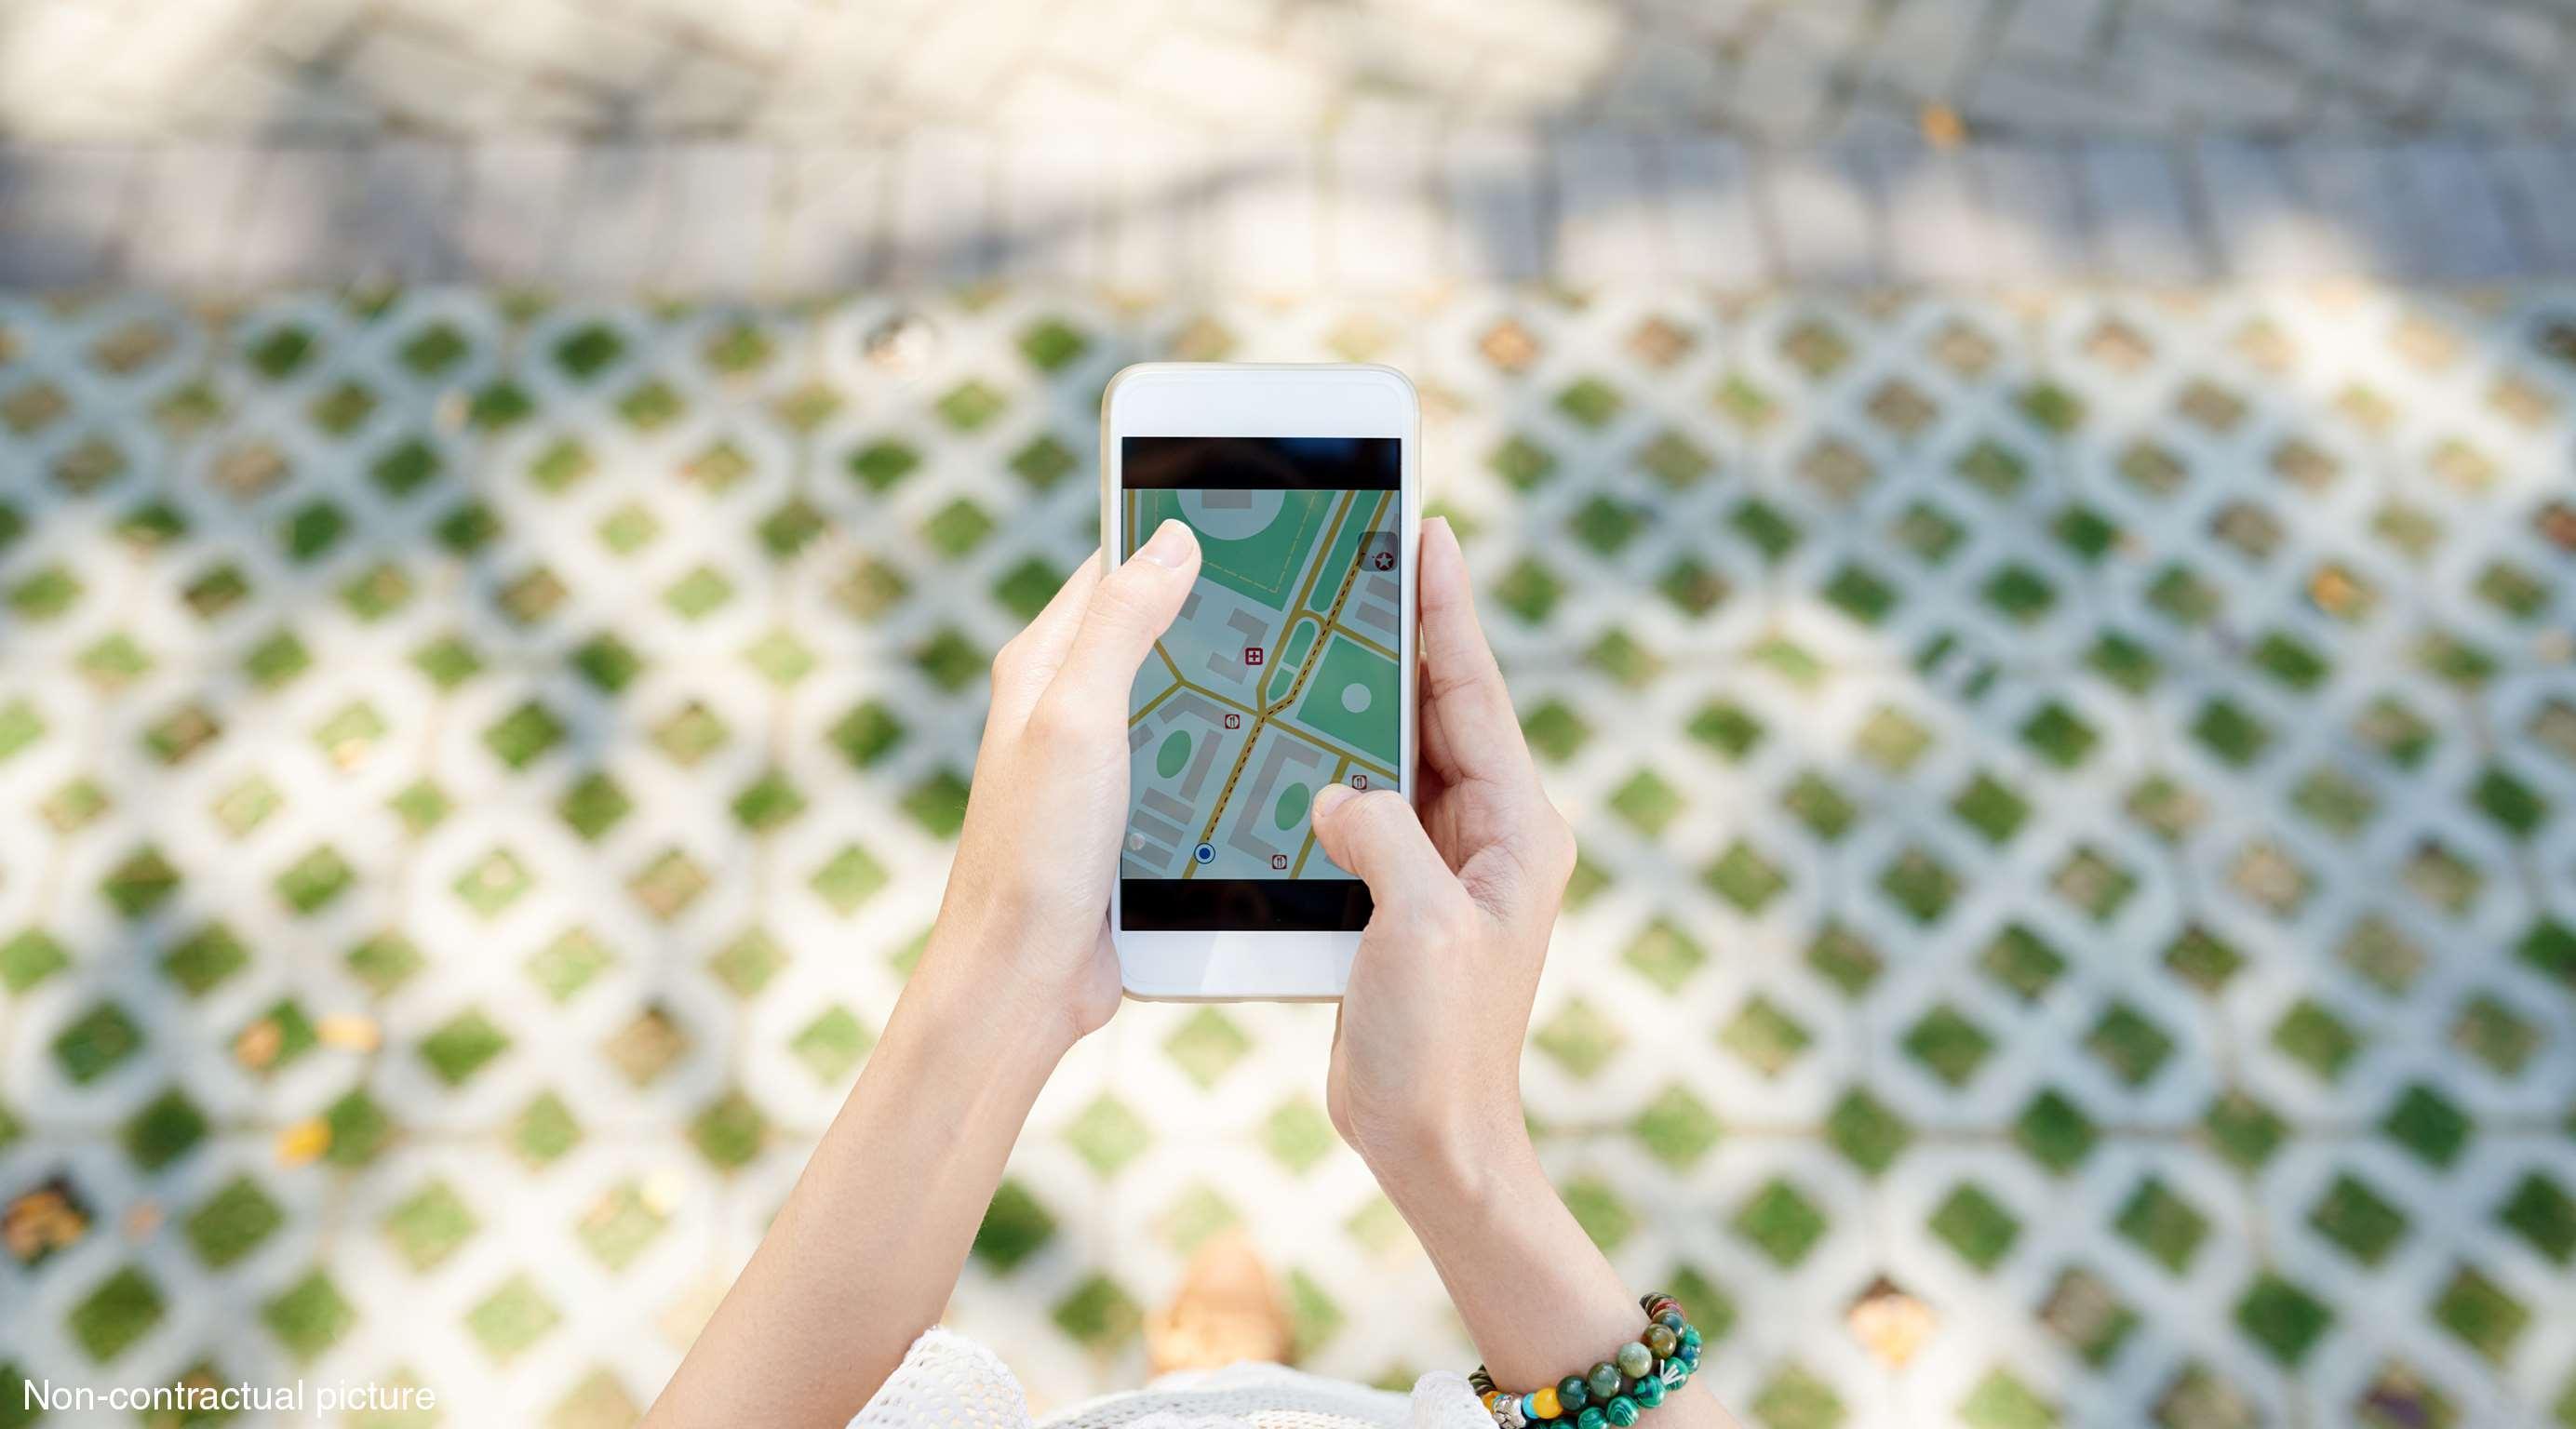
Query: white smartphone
x=1291, y=665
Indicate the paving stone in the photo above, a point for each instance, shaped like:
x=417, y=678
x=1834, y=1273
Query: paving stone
x=2355, y=189
x=2141, y=219
x=296, y=227
x=2467, y=235
x=2059, y=34
x=2539, y=188
x=608, y=53
x=67, y=209
x=1935, y=232
x=1179, y=71
x=940, y=206
x=2108, y=927
x=1054, y=207
x=1712, y=215
x=405, y=221
x=1265, y=223
x=1604, y=200
x=517, y=201
x=722, y=216
x=2196, y=85
x=194, y=199
x=416, y=78
x=1783, y=89
x=831, y=219
x=800, y=69
x=1383, y=231
x=1492, y=181
x=623, y=202
x=2031, y=216
x=2260, y=219
x=1828, y=212
x=1927, y=51
x=1391, y=212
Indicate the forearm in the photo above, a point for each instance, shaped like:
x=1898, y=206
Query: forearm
x=866, y=1252
x=1539, y=1299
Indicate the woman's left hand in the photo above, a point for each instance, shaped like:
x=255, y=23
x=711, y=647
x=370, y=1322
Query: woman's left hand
x=866, y=1249
x=1024, y=925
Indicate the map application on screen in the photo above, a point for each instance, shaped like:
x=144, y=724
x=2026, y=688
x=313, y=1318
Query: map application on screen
x=1281, y=675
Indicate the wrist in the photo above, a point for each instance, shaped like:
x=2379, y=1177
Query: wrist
x=1460, y=1159
x=1538, y=1297
x=1025, y=963
x=965, y=994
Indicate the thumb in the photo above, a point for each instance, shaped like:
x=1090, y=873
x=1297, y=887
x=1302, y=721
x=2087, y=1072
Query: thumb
x=1130, y=609
x=1377, y=836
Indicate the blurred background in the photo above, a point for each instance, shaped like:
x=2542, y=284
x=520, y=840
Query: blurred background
x=2035, y=540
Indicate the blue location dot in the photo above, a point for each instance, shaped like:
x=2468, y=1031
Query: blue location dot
x=1204, y=853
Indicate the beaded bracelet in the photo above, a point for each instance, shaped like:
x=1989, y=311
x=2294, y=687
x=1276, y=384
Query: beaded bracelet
x=1633, y=1380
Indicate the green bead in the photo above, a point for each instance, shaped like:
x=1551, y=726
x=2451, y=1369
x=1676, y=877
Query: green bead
x=1661, y=1341
x=1690, y=1337
x=1605, y=1380
x=1572, y=1393
x=1635, y=1359
x=1591, y=1418
x=1649, y=1391
x=1622, y=1411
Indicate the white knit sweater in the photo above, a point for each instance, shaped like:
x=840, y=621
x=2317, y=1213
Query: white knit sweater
x=947, y=1381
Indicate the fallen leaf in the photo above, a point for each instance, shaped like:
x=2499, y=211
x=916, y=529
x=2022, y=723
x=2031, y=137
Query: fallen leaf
x=1942, y=127
x=302, y=1142
x=259, y=1043
x=350, y=1032
x=1889, y=1323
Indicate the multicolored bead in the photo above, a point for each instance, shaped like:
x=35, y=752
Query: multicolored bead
x=1634, y=1359
x=1640, y=1375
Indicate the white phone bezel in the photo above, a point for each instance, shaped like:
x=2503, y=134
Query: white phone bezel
x=1223, y=399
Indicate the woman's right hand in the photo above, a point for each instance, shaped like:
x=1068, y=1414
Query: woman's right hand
x=1426, y=1056
x=1425, y=1082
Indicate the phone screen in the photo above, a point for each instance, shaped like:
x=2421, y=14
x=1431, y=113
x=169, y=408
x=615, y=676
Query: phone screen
x=1282, y=674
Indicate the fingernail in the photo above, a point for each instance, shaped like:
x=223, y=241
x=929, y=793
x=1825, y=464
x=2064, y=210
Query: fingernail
x=1170, y=546
x=1329, y=798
